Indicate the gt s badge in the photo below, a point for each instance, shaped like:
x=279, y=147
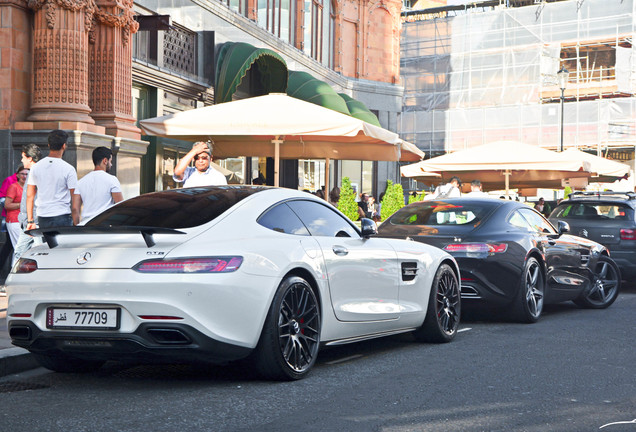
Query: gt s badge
x=154, y=253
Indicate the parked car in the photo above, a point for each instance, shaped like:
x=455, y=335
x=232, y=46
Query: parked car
x=605, y=217
x=510, y=256
x=222, y=273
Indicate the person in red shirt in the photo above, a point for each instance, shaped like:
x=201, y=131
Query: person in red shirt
x=5, y=187
x=12, y=204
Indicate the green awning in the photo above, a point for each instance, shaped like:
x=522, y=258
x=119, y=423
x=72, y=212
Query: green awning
x=304, y=86
x=360, y=110
x=234, y=61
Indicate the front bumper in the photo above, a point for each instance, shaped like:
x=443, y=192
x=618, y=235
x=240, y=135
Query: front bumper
x=150, y=342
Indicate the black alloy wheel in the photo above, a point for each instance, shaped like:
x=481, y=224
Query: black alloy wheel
x=528, y=305
x=605, y=285
x=291, y=336
x=444, y=308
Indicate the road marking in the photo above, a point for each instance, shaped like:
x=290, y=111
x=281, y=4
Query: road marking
x=342, y=360
x=464, y=329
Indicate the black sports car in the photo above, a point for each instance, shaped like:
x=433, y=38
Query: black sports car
x=510, y=255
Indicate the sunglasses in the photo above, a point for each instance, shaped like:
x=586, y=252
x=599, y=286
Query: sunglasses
x=206, y=157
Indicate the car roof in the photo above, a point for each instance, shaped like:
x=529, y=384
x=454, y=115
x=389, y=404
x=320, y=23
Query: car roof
x=604, y=196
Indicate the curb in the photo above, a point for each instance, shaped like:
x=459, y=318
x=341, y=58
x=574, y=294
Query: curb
x=14, y=360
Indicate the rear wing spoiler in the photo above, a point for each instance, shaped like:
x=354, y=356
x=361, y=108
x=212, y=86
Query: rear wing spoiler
x=50, y=234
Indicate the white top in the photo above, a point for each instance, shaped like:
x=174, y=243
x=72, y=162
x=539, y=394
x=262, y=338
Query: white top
x=476, y=194
x=54, y=178
x=193, y=177
x=449, y=190
x=96, y=189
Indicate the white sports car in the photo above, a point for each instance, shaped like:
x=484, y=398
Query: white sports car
x=222, y=273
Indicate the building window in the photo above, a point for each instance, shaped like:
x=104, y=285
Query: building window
x=331, y=36
x=239, y=6
x=277, y=16
x=313, y=29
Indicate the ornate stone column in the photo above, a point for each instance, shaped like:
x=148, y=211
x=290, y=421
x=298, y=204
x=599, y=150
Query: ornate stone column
x=110, y=74
x=60, y=60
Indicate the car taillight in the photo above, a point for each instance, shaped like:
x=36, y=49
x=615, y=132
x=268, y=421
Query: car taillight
x=191, y=265
x=25, y=265
x=628, y=234
x=476, y=247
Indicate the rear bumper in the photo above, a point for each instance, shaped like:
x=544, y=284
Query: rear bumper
x=491, y=282
x=150, y=342
x=626, y=261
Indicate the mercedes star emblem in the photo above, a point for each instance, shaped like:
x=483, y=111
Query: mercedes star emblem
x=84, y=258
x=584, y=233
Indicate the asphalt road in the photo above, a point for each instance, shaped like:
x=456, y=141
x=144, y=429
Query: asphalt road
x=572, y=371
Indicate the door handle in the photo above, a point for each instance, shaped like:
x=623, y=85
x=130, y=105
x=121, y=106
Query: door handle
x=340, y=250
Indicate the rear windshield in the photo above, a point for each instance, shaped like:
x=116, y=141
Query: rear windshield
x=178, y=208
x=443, y=213
x=593, y=210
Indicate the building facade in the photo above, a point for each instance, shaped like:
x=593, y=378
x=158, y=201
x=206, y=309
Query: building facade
x=95, y=68
x=487, y=71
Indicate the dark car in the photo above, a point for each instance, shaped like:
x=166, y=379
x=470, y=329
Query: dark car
x=605, y=217
x=510, y=256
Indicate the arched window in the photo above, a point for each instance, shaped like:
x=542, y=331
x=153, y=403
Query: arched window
x=278, y=17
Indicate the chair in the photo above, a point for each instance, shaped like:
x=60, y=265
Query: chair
x=590, y=211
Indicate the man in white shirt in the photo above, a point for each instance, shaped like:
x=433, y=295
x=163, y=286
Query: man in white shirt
x=449, y=190
x=97, y=190
x=202, y=174
x=476, y=191
x=54, y=181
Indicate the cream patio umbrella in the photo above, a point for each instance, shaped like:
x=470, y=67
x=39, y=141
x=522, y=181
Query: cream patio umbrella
x=604, y=170
x=282, y=127
x=499, y=164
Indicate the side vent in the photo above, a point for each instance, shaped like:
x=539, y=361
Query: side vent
x=585, y=257
x=409, y=271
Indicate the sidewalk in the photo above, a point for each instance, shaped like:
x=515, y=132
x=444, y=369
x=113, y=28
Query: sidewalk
x=12, y=359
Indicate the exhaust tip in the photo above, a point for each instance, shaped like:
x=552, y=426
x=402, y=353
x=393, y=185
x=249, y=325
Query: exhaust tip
x=20, y=333
x=169, y=336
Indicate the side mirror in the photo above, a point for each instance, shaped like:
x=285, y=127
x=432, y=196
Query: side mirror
x=369, y=227
x=563, y=227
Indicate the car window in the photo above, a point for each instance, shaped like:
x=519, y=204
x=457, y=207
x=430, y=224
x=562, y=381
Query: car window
x=320, y=220
x=441, y=214
x=593, y=210
x=519, y=221
x=282, y=219
x=177, y=208
x=537, y=222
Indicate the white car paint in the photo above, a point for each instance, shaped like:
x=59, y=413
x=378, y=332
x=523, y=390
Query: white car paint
x=361, y=292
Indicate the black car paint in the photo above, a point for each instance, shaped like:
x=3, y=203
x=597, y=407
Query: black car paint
x=496, y=277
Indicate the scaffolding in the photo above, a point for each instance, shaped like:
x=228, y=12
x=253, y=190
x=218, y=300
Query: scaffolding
x=488, y=73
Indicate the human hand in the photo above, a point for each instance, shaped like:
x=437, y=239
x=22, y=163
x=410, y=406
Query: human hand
x=31, y=226
x=199, y=147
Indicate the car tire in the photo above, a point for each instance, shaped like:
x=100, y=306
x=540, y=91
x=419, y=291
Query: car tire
x=66, y=364
x=290, y=339
x=528, y=305
x=444, y=308
x=605, y=285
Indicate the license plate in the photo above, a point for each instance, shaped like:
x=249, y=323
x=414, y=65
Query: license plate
x=82, y=318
